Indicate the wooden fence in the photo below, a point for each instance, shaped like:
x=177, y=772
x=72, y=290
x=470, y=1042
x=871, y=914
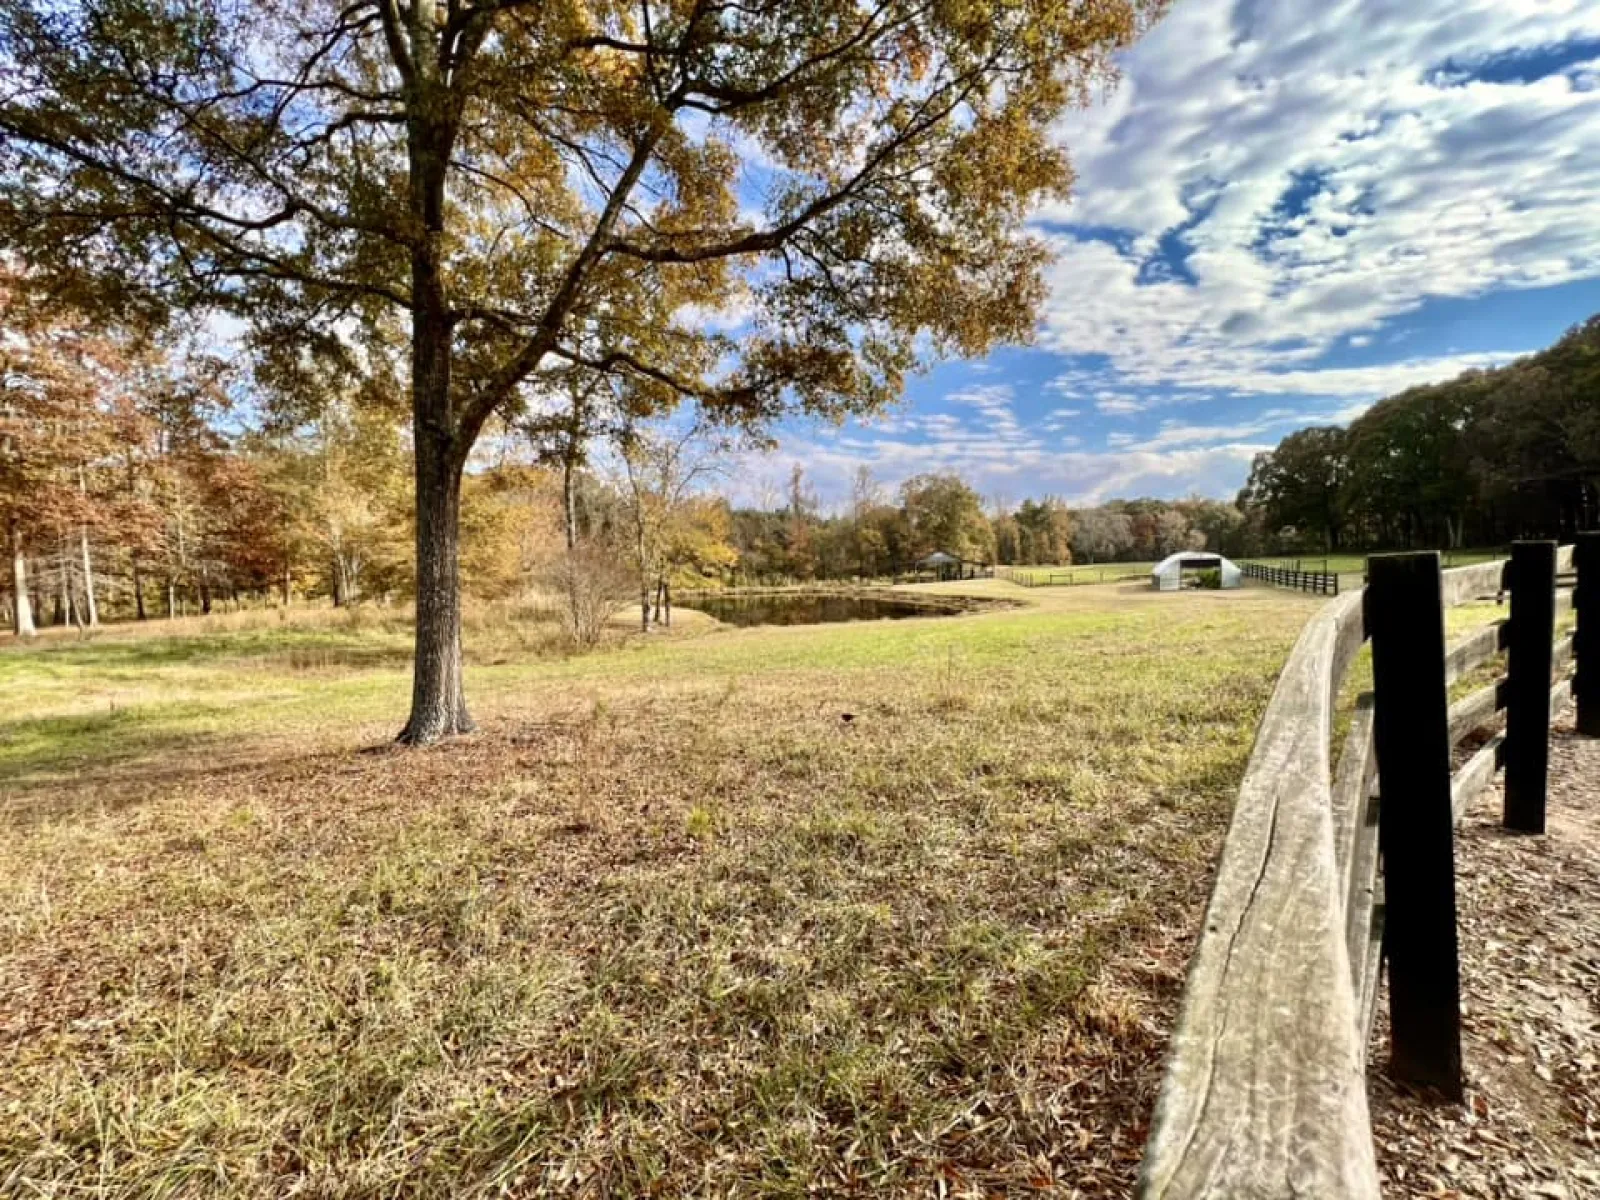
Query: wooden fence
x=1265, y=1091
x=1323, y=583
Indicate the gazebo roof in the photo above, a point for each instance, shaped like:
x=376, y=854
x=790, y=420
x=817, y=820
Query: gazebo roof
x=939, y=558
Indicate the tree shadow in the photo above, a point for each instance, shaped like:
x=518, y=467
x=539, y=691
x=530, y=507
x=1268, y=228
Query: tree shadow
x=105, y=762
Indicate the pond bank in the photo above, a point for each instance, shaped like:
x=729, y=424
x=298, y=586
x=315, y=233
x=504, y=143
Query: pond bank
x=818, y=606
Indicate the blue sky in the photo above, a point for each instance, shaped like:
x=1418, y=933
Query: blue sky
x=1286, y=210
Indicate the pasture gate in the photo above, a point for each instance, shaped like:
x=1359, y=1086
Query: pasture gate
x=1265, y=1091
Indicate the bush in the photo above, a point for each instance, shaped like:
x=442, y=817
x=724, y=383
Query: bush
x=1209, y=579
x=590, y=586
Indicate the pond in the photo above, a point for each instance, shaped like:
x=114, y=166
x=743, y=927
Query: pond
x=808, y=608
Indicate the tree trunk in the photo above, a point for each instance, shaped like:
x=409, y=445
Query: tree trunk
x=138, y=590
x=172, y=597
x=438, y=701
x=569, y=497
x=22, y=610
x=91, y=608
x=288, y=584
x=66, y=603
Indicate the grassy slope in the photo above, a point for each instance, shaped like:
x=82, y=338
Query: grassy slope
x=669, y=924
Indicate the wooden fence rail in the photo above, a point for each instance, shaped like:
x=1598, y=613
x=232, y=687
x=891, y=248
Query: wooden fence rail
x=1265, y=1088
x=1322, y=583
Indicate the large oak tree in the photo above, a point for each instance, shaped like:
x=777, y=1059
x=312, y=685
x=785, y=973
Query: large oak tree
x=529, y=185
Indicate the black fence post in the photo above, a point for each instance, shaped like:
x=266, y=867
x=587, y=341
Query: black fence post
x=1533, y=626
x=1416, y=831
x=1586, y=642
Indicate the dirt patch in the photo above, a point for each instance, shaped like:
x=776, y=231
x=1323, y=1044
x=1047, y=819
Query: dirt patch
x=1529, y=918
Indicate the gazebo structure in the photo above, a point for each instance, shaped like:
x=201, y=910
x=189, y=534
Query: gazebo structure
x=1167, y=575
x=945, y=565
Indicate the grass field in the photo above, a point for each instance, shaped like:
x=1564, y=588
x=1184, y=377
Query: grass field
x=889, y=908
x=1078, y=575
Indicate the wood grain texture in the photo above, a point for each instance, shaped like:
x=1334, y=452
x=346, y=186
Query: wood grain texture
x=1560, y=696
x=1472, y=651
x=1264, y=1095
x=1371, y=970
x=1352, y=784
x=1561, y=653
x=1471, y=583
x=1475, y=775
x=1361, y=898
x=1476, y=710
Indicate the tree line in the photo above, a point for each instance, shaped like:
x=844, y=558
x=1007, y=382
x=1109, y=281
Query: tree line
x=882, y=533
x=1479, y=460
x=138, y=479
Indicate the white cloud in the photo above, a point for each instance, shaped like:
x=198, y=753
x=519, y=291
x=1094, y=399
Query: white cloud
x=1121, y=406
x=1078, y=476
x=1324, y=178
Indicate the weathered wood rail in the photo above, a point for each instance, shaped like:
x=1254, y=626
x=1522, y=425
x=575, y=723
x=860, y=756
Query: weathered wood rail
x=1265, y=1092
x=1322, y=583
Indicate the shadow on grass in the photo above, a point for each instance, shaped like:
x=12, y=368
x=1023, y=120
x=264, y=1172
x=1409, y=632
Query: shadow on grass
x=275, y=648
x=57, y=766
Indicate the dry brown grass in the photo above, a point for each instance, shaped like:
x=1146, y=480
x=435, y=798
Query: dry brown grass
x=671, y=924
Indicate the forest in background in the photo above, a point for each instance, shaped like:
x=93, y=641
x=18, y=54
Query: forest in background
x=1479, y=460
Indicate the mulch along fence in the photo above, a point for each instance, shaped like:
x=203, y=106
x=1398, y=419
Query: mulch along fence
x=1265, y=1090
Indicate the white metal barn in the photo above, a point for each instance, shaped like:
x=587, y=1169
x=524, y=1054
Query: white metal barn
x=1167, y=575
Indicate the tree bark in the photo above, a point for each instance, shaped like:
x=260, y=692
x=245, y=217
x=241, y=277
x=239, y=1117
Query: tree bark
x=66, y=608
x=22, y=610
x=438, y=701
x=91, y=608
x=138, y=589
x=569, y=497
